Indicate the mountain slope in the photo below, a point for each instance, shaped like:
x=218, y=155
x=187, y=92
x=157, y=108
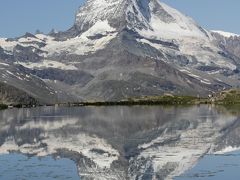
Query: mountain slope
x=122, y=48
x=229, y=42
x=19, y=87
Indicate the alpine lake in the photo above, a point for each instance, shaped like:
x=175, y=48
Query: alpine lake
x=200, y=142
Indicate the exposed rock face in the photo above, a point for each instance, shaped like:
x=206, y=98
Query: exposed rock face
x=118, y=49
x=12, y=95
x=19, y=87
x=230, y=43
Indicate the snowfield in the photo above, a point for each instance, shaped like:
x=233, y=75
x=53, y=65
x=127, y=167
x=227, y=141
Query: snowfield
x=226, y=34
x=47, y=64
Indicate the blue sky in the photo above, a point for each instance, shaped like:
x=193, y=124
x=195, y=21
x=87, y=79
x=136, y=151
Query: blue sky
x=20, y=16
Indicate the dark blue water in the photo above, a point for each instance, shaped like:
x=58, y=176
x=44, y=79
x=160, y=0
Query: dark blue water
x=20, y=167
x=215, y=167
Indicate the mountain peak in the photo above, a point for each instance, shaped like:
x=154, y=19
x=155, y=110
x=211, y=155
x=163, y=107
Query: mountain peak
x=117, y=12
x=99, y=10
x=147, y=17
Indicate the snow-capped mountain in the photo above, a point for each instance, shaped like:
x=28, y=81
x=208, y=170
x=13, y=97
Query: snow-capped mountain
x=225, y=34
x=123, y=48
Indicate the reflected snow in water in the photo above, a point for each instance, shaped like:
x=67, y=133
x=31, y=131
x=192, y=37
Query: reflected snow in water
x=139, y=142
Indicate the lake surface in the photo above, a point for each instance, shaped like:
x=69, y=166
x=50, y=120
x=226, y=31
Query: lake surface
x=215, y=167
x=139, y=142
x=18, y=167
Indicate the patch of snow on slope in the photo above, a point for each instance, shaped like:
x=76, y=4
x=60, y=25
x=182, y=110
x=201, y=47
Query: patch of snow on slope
x=4, y=64
x=48, y=64
x=101, y=27
x=29, y=40
x=205, y=52
x=155, y=45
x=182, y=26
x=228, y=150
x=226, y=34
x=7, y=45
x=83, y=44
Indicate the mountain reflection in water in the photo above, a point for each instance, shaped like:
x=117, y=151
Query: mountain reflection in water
x=140, y=142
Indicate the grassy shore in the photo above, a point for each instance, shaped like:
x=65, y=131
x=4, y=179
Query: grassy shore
x=230, y=97
x=223, y=98
x=150, y=100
